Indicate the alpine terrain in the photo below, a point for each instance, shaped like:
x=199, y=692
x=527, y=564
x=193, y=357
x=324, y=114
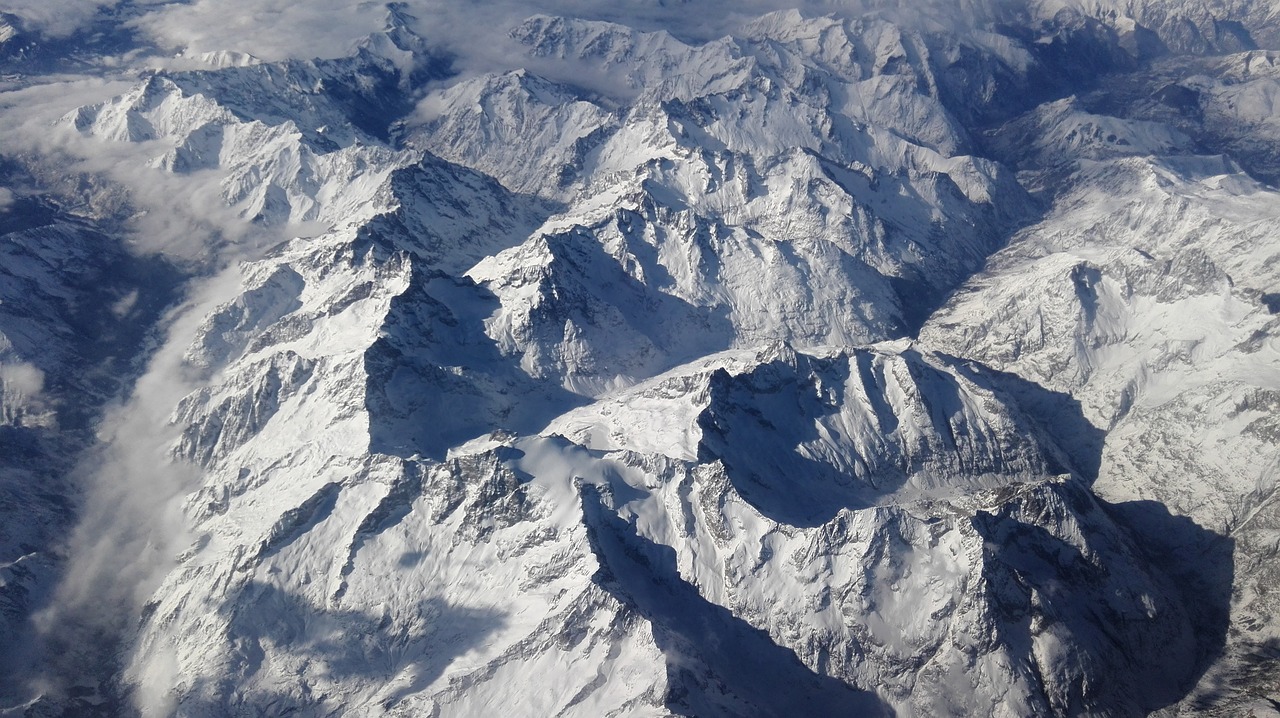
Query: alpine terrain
x=654, y=358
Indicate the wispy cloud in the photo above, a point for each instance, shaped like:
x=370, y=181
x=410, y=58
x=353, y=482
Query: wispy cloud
x=182, y=216
x=130, y=528
x=56, y=18
x=267, y=29
x=474, y=30
x=129, y=525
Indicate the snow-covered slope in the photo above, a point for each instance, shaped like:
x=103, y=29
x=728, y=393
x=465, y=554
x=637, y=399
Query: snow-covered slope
x=769, y=193
x=1147, y=294
x=882, y=523
x=845, y=365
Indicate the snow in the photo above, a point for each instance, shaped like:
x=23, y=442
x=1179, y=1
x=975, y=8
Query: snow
x=751, y=386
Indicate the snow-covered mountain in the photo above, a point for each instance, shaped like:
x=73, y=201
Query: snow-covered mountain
x=851, y=363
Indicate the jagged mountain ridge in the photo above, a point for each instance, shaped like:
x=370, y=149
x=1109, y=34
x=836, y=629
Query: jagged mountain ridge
x=445, y=391
x=1110, y=322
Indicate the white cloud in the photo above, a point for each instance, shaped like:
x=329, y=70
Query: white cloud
x=267, y=29
x=55, y=18
x=182, y=216
x=131, y=527
x=6, y=199
x=474, y=30
x=21, y=379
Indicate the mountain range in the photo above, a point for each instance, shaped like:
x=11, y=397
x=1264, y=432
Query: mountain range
x=866, y=358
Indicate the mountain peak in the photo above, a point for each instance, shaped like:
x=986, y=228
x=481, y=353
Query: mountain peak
x=882, y=361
